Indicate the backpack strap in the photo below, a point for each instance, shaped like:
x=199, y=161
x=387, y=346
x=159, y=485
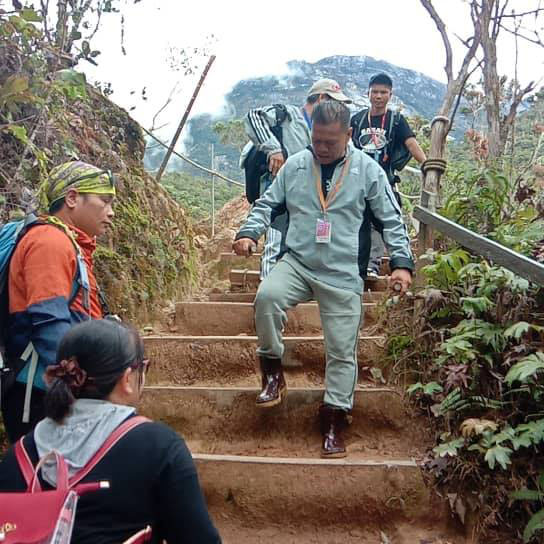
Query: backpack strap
x=112, y=439
x=390, y=131
x=81, y=280
x=29, y=353
x=277, y=130
x=23, y=459
x=281, y=114
x=364, y=114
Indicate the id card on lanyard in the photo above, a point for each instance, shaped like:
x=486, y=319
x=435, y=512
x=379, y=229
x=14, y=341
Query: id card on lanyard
x=323, y=227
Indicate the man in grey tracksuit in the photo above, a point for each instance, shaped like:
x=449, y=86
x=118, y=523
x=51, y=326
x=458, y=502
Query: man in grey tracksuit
x=325, y=190
x=296, y=132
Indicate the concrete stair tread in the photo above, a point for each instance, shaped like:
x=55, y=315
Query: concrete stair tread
x=369, y=389
x=397, y=532
x=350, y=461
x=244, y=338
x=226, y=255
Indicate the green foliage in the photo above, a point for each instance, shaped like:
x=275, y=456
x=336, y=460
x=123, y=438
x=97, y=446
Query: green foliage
x=444, y=272
x=231, y=133
x=449, y=449
x=536, y=522
x=194, y=193
x=527, y=369
x=73, y=84
x=49, y=115
x=500, y=200
x=474, y=349
x=427, y=389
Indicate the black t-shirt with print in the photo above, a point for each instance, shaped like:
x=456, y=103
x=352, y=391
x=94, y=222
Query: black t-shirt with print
x=373, y=139
x=327, y=170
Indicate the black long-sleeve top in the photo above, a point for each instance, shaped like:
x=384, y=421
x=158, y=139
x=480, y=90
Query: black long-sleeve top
x=153, y=481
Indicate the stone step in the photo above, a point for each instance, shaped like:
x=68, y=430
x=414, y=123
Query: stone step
x=222, y=266
x=369, y=494
x=225, y=360
x=225, y=420
x=239, y=261
x=232, y=318
x=244, y=280
x=394, y=531
x=249, y=296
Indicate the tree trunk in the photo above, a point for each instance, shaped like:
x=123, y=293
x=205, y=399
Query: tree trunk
x=492, y=85
x=62, y=25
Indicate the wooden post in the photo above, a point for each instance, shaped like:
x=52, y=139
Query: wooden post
x=184, y=119
x=432, y=172
x=213, y=192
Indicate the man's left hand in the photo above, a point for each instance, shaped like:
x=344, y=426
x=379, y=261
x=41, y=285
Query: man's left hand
x=400, y=280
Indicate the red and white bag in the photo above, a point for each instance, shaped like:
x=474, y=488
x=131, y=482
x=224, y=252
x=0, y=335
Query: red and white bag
x=36, y=516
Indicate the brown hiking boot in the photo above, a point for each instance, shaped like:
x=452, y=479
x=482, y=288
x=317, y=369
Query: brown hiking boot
x=332, y=421
x=273, y=383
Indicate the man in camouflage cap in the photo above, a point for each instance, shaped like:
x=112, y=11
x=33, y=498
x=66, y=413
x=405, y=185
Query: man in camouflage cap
x=51, y=283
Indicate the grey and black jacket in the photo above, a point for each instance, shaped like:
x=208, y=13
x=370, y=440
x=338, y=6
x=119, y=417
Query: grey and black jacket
x=365, y=185
x=295, y=130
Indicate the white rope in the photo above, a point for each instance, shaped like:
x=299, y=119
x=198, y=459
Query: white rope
x=193, y=163
x=412, y=170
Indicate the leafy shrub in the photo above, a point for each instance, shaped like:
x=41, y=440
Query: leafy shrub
x=475, y=352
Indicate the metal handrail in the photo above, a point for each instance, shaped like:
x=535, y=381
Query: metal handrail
x=493, y=251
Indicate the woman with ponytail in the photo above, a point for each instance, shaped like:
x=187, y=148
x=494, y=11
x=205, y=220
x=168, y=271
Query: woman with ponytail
x=93, y=388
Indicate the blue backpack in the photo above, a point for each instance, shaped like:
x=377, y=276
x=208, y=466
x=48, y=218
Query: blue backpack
x=10, y=235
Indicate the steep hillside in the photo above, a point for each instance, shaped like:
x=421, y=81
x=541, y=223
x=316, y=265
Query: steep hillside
x=51, y=116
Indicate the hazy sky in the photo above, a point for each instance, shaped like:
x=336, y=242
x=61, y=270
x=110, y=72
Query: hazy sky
x=254, y=39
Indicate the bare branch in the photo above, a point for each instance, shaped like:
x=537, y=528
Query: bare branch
x=163, y=107
x=442, y=29
x=516, y=101
x=98, y=19
x=537, y=41
x=45, y=12
x=460, y=94
x=514, y=15
x=498, y=18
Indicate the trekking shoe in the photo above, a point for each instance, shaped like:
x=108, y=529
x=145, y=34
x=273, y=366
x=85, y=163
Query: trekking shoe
x=332, y=421
x=272, y=382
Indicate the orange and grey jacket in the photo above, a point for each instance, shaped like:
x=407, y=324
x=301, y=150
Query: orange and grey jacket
x=42, y=271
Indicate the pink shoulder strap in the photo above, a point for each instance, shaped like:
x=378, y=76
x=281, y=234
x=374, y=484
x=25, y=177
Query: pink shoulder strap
x=112, y=439
x=25, y=464
x=27, y=468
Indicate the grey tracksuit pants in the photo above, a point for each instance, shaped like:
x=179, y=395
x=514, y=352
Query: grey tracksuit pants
x=377, y=250
x=340, y=312
x=271, y=252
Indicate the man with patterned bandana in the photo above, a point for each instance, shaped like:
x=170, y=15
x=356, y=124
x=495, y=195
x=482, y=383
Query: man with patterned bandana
x=51, y=283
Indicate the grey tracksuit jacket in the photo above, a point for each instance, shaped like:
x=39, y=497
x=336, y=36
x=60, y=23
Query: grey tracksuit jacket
x=336, y=263
x=295, y=130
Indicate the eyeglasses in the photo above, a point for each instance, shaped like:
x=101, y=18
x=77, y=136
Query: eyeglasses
x=144, y=365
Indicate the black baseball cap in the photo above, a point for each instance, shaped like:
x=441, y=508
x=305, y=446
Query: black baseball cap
x=380, y=79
